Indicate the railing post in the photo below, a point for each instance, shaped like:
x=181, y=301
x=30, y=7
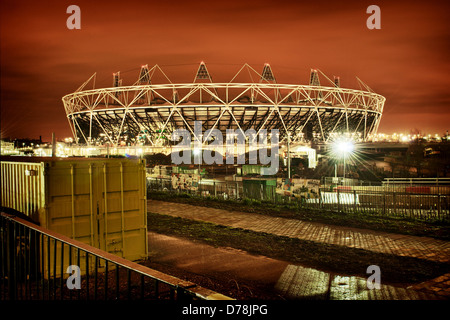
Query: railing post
x=128, y=284
x=106, y=279
x=61, y=284
x=181, y=296
x=11, y=258
x=156, y=288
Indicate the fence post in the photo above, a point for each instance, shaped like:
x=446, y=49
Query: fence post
x=410, y=206
x=354, y=201
x=215, y=190
x=439, y=205
x=338, y=201
x=320, y=199
x=393, y=202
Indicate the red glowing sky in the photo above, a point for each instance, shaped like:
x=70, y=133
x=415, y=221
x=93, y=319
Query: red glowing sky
x=407, y=61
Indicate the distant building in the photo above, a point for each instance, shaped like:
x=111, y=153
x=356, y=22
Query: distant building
x=7, y=148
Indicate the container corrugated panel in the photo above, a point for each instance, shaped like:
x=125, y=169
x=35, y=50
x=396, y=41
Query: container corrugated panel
x=101, y=202
x=22, y=187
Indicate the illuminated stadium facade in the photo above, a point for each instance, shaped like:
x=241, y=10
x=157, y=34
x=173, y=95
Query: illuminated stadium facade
x=146, y=113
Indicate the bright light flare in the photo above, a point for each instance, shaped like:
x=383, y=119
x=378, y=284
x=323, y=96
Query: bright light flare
x=343, y=148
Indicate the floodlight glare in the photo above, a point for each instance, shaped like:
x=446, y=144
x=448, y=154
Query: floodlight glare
x=343, y=148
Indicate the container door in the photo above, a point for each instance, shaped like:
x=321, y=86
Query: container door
x=122, y=209
x=110, y=219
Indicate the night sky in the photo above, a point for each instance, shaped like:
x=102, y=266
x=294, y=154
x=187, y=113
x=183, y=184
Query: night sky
x=407, y=61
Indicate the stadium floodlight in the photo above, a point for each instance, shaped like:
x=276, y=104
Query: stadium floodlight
x=337, y=81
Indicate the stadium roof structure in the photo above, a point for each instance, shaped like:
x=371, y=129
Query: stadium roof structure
x=147, y=112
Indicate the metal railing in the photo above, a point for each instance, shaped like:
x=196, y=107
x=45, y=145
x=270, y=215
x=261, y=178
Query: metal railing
x=34, y=266
x=416, y=181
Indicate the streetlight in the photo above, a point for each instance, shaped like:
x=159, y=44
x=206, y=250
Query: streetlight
x=342, y=148
x=289, y=155
x=197, y=154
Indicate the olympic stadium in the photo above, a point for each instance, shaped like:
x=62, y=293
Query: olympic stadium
x=147, y=112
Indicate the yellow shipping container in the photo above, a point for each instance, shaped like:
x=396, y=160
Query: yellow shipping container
x=101, y=202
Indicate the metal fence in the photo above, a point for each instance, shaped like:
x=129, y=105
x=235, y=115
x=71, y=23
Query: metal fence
x=206, y=187
x=34, y=265
x=388, y=203
x=403, y=201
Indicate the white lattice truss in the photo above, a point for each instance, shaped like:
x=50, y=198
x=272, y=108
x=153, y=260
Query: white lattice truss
x=148, y=113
